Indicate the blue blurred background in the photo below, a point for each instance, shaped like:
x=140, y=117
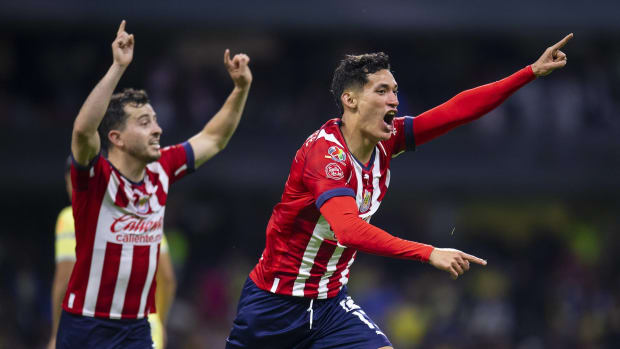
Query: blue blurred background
x=532, y=187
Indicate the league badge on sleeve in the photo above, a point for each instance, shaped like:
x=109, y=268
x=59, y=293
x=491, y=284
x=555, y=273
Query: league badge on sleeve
x=336, y=154
x=333, y=171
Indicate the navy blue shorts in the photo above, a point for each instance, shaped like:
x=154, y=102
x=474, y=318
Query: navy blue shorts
x=267, y=320
x=76, y=331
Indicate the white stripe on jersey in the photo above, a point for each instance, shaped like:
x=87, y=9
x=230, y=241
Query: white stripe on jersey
x=331, y=268
x=99, y=247
x=376, y=189
x=328, y=137
x=382, y=148
x=321, y=231
x=344, y=276
x=94, y=277
x=151, y=189
x=181, y=169
x=71, y=299
x=122, y=281
x=274, y=287
x=112, y=189
x=149, y=279
x=360, y=185
x=163, y=177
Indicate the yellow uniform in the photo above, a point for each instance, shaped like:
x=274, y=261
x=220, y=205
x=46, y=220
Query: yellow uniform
x=65, y=251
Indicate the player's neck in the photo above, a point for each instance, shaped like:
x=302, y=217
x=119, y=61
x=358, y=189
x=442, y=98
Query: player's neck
x=361, y=147
x=127, y=165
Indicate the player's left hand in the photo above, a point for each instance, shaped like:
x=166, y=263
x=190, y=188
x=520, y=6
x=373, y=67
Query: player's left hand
x=552, y=58
x=238, y=69
x=453, y=261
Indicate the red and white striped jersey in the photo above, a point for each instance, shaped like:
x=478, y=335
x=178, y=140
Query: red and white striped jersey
x=118, y=229
x=302, y=256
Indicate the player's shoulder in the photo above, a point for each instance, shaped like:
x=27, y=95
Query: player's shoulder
x=326, y=146
x=325, y=137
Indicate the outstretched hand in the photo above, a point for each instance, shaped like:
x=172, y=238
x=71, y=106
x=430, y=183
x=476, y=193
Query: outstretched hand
x=453, y=261
x=122, y=47
x=552, y=58
x=238, y=69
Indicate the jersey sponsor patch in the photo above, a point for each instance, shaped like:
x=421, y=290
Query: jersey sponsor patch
x=132, y=229
x=337, y=154
x=333, y=171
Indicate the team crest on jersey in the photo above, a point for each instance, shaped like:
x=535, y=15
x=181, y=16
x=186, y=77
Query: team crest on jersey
x=333, y=171
x=336, y=154
x=142, y=204
x=366, y=201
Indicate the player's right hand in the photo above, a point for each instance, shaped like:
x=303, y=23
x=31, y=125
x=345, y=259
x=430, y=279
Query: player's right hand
x=453, y=261
x=122, y=47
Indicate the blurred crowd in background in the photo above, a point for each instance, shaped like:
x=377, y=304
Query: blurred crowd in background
x=532, y=187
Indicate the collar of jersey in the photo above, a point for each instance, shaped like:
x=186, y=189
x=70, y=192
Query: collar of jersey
x=125, y=177
x=372, y=157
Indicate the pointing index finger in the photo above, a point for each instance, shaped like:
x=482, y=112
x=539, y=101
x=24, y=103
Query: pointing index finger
x=227, y=57
x=121, y=28
x=474, y=259
x=563, y=42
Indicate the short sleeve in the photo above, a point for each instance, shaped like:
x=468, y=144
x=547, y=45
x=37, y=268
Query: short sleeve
x=81, y=176
x=402, y=139
x=177, y=160
x=327, y=171
x=65, y=236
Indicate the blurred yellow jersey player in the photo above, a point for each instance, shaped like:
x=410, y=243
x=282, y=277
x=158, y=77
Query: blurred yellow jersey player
x=65, y=259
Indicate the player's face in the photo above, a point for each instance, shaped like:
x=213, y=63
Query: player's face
x=377, y=105
x=141, y=133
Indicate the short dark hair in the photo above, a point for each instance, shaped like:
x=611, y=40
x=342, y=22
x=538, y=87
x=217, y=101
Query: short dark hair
x=115, y=117
x=354, y=70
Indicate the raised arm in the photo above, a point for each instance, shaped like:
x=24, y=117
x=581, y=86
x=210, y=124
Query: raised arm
x=472, y=104
x=85, y=142
x=217, y=132
x=342, y=215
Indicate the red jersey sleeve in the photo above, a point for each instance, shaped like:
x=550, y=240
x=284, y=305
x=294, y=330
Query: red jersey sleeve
x=467, y=106
x=177, y=160
x=81, y=176
x=327, y=171
x=354, y=232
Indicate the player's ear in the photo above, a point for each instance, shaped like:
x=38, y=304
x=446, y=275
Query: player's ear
x=114, y=137
x=349, y=99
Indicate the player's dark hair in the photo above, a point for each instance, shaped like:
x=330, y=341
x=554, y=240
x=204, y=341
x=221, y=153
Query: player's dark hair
x=353, y=71
x=115, y=117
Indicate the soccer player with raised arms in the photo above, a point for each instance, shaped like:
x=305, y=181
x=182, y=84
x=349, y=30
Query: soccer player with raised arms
x=296, y=296
x=119, y=202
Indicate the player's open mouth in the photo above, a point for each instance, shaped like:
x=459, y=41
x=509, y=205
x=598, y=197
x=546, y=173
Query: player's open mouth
x=155, y=144
x=389, y=117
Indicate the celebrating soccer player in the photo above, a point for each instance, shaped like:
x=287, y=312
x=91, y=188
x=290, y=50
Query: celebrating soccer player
x=119, y=202
x=296, y=296
x=65, y=260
